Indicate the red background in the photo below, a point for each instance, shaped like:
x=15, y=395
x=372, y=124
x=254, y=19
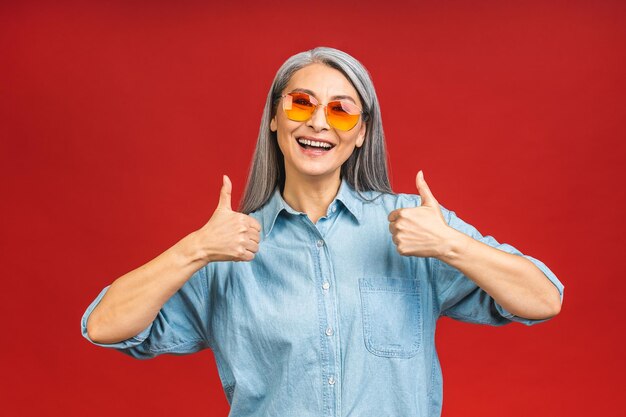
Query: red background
x=116, y=124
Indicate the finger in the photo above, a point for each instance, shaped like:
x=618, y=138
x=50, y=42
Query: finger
x=252, y=246
x=254, y=235
x=246, y=257
x=225, y=193
x=428, y=199
x=254, y=224
x=393, y=216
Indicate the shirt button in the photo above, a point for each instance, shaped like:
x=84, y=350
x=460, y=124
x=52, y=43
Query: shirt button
x=331, y=380
x=333, y=209
x=326, y=285
x=320, y=243
x=329, y=332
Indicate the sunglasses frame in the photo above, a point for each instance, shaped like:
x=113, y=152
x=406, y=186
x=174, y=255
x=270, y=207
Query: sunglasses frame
x=317, y=104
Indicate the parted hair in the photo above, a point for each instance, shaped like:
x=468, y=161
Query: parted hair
x=365, y=170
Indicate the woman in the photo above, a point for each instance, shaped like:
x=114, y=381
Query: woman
x=321, y=296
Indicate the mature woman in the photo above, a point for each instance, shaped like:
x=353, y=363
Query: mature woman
x=321, y=295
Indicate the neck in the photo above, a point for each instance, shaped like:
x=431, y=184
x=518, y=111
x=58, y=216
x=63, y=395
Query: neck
x=311, y=195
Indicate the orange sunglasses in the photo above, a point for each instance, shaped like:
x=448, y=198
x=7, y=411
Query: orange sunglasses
x=340, y=114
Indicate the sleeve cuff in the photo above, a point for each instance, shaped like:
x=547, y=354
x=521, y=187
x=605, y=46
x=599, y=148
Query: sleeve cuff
x=124, y=344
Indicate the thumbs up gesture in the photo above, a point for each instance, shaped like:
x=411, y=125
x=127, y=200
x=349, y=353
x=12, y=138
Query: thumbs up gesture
x=419, y=231
x=228, y=235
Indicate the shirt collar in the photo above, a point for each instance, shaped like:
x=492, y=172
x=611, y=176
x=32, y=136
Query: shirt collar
x=276, y=204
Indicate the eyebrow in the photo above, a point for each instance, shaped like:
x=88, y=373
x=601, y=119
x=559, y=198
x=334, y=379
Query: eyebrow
x=304, y=90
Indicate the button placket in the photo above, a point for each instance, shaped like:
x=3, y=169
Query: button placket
x=328, y=316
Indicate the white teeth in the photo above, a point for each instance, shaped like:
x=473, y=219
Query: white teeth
x=315, y=143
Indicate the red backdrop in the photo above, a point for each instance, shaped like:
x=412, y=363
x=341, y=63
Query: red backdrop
x=116, y=126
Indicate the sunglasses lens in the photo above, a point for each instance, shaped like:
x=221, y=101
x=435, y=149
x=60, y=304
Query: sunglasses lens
x=343, y=115
x=298, y=106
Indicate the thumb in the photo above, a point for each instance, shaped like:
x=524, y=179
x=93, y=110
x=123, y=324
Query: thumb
x=428, y=199
x=225, y=192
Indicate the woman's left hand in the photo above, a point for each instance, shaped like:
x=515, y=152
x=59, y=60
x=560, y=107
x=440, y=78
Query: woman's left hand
x=420, y=231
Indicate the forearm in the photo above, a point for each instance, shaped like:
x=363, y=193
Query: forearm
x=513, y=281
x=133, y=300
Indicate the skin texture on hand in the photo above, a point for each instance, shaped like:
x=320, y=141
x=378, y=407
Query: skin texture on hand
x=228, y=235
x=419, y=231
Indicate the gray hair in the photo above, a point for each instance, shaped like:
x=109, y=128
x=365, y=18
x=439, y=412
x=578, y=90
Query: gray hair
x=365, y=170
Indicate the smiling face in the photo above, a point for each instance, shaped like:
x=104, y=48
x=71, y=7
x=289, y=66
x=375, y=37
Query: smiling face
x=307, y=162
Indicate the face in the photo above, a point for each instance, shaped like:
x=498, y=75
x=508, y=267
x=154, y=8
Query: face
x=306, y=162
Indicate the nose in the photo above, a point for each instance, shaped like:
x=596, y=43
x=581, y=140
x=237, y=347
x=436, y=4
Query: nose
x=318, y=119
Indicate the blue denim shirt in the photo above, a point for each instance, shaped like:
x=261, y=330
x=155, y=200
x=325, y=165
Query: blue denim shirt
x=328, y=319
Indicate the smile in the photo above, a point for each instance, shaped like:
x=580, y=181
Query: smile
x=316, y=145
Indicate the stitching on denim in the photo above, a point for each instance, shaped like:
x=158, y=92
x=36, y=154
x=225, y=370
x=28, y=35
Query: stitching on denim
x=166, y=349
x=321, y=311
x=436, y=306
x=207, y=307
x=432, y=384
x=229, y=390
x=471, y=319
x=405, y=353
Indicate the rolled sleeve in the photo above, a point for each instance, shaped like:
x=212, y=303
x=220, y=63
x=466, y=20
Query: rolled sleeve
x=461, y=299
x=124, y=344
x=180, y=327
x=550, y=275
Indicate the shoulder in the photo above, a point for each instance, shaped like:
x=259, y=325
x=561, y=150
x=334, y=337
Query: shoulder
x=389, y=202
x=395, y=201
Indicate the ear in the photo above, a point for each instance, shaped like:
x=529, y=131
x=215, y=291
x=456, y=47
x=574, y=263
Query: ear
x=273, y=126
x=361, y=138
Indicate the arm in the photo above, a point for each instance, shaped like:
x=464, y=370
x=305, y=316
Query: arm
x=133, y=301
x=513, y=281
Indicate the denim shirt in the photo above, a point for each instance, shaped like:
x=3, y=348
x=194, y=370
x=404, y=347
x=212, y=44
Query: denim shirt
x=328, y=319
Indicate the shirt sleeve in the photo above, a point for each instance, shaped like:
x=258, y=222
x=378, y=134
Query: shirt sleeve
x=180, y=327
x=460, y=298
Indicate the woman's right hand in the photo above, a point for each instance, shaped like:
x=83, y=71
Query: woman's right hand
x=229, y=235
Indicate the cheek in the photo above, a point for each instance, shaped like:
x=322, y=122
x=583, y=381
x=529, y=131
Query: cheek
x=350, y=141
x=282, y=138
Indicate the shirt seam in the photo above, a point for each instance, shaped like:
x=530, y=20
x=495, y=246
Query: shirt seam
x=194, y=342
x=205, y=284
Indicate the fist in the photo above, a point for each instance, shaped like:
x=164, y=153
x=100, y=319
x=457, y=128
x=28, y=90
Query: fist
x=422, y=230
x=229, y=235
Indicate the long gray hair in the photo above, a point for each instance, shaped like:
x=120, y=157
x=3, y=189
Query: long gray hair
x=365, y=169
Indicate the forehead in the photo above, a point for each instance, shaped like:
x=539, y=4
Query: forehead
x=324, y=81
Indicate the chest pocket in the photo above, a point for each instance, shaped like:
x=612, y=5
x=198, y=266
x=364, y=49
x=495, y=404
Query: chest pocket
x=392, y=316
